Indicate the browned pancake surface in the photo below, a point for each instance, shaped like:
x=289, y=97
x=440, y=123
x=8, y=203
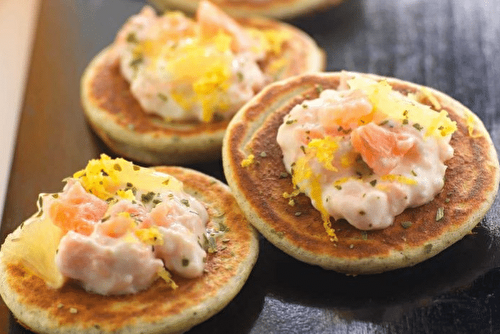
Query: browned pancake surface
x=471, y=183
x=158, y=307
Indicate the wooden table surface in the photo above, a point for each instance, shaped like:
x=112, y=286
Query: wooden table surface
x=453, y=46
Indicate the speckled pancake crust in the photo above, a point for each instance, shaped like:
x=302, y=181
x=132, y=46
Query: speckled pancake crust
x=157, y=309
x=471, y=184
x=281, y=9
x=118, y=119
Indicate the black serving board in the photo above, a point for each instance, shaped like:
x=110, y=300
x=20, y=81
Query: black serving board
x=453, y=46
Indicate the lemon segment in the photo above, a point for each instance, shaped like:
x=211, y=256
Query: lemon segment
x=34, y=245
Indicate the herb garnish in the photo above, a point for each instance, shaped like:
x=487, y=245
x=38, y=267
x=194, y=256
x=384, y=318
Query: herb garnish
x=163, y=97
x=146, y=198
x=406, y=224
x=439, y=214
x=132, y=38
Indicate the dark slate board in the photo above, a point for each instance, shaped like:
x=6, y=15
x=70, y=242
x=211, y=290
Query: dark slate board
x=453, y=46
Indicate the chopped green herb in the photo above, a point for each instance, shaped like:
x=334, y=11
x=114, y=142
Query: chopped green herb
x=136, y=168
x=338, y=187
x=283, y=175
x=117, y=167
x=185, y=202
x=223, y=227
x=439, y=214
x=211, y=244
x=263, y=154
x=132, y=38
x=447, y=200
x=413, y=173
x=303, y=148
x=319, y=89
x=418, y=126
x=298, y=213
x=146, y=198
x=405, y=121
x=406, y=224
x=373, y=183
x=240, y=76
x=134, y=63
x=163, y=97
x=290, y=121
x=185, y=262
x=165, y=183
x=364, y=235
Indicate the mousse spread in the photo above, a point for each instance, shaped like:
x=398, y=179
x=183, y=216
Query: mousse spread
x=194, y=70
x=115, y=228
x=365, y=152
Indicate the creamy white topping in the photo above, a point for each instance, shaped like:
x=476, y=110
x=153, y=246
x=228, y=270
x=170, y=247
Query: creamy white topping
x=356, y=162
x=106, y=265
x=187, y=70
x=113, y=259
x=122, y=224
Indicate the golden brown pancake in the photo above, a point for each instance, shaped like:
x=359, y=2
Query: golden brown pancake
x=118, y=119
x=280, y=9
x=470, y=186
x=159, y=309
